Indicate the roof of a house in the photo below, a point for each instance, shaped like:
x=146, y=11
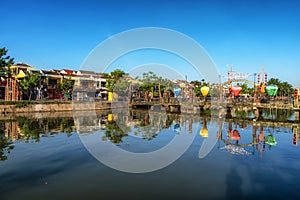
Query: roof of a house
x=67, y=71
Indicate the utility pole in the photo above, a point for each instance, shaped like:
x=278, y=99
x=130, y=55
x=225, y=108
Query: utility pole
x=221, y=89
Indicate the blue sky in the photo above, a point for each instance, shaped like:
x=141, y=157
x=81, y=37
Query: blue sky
x=246, y=34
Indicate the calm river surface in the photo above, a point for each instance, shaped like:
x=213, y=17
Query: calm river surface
x=43, y=157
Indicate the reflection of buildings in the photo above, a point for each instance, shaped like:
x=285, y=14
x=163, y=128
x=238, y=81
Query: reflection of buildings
x=12, y=130
x=144, y=124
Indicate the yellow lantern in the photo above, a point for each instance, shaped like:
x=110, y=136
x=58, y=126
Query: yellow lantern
x=262, y=88
x=204, y=90
x=204, y=131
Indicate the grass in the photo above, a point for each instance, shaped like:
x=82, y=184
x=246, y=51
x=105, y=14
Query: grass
x=24, y=103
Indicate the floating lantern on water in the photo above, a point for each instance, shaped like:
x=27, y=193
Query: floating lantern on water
x=204, y=90
x=272, y=90
x=236, y=90
x=234, y=135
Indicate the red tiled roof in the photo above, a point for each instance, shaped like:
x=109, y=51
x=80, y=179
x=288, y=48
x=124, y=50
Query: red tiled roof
x=69, y=72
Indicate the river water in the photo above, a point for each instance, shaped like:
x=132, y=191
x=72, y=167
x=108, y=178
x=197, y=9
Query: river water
x=44, y=157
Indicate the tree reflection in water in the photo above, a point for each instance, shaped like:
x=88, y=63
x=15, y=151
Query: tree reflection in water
x=114, y=133
x=148, y=124
x=30, y=130
x=5, y=145
x=143, y=124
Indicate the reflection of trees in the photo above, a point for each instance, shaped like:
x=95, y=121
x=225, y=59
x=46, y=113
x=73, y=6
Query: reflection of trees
x=243, y=114
x=30, y=129
x=279, y=115
x=114, y=133
x=153, y=122
x=116, y=127
x=66, y=125
x=5, y=145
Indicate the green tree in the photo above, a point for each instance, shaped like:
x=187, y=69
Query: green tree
x=66, y=86
x=5, y=63
x=245, y=89
x=198, y=85
x=157, y=84
x=112, y=78
x=28, y=83
x=274, y=81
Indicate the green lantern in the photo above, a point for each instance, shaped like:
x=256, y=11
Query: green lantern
x=272, y=90
x=271, y=140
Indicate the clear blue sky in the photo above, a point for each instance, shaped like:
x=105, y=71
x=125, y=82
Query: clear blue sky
x=246, y=34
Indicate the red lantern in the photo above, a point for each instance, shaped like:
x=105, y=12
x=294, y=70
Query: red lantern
x=295, y=142
x=236, y=90
x=235, y=135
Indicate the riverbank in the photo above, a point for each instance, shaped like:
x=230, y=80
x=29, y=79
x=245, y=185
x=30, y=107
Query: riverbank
x=51, y=106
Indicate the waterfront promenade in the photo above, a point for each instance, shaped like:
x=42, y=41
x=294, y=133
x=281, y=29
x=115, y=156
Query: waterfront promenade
x=190, y=106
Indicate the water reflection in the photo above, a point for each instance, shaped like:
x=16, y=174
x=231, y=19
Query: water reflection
x=234, y=143
x=30, y=130
x=236, y=136
x=5, y=146
x=255, y=159
x=234, y=183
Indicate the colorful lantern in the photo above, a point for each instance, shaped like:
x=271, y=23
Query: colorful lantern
x=177, y=128
x=110, y=117
x=204, y=90
x=235, y=135
x=236, y=90
x=204, y=131
x=262, y=88
x=271, y=140
x=177, y=91
x=272, y=90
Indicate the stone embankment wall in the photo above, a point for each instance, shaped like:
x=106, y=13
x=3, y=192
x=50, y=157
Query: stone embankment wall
x=55, y=107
